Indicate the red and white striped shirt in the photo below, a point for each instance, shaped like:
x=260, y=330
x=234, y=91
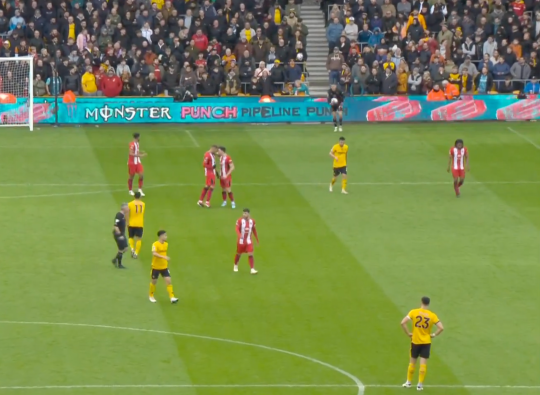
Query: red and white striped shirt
x=134, y=159
x=209, y=164
x=226, y=163
x=245, y=228
x=458, y=157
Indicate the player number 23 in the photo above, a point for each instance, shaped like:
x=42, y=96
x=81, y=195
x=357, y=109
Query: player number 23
x=422, y=322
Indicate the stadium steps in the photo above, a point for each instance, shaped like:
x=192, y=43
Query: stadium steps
x=317, y=49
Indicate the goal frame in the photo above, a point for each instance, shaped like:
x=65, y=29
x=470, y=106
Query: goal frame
x=30, y=60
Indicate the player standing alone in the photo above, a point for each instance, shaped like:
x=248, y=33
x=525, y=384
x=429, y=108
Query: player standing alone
x=227, y=167
x=119, y=234
x=339, y=154
x=209, y=164
x=134, y=164
x=422, y=321
x=335, y=99
x=458, y=160
x=245, y=229
x=160, y=266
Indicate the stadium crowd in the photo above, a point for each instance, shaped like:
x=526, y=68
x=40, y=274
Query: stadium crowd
x=438, y=47
x=152, y=47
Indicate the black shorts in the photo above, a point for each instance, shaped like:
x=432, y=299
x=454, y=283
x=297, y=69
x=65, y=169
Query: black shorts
x=135, y=232
x=336, y=107
x=420, y=350
x=163, y=272
x=121, y=242
x=340, y=170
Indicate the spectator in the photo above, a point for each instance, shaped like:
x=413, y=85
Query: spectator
x=150, y=85
x=507, y=86
x=334, y=64
x=402, y=78
x=72, y=82
x=415, y=82
x=333, y=33
x=16, y=20
x=247, y=67
x=264, y=86
x=345, y=78
x=483, y=81
x=277, y=76
x=404, y=7
x=389, y=83
x=188, y=79
x=351, y=30
x=520, y=71
x=450, y=90
x=293, y=72
x=486, y=62
x=427, y=83
x=39, y=86
x=360, y=75
x=365, y=34
x=111, y=84
x=373, y=82
x=415, y=30
x=436, y=94
x=206, y=86
x=532, y=87
x=501, y=70
x=53, y=85
x=376, y=38
x=247, y=33
x=466, y=81
x=489, y=46
x=471, y=68
x=300, y=88
x=232, y=83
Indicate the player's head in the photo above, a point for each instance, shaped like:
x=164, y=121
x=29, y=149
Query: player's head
x=425, y=301
x=333, y=87
x=214, y=149
x=222, y=150
x=459, y=143
x=137, y=195
x=342, y=141
x=136, y=136
x=245, y=213
x=124, y=208
x=162, y=235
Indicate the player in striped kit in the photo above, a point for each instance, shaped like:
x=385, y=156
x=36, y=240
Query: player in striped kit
x=227, y=167
x=134, y=164
x=458, y=162
x=209, y=164
x=245, y=230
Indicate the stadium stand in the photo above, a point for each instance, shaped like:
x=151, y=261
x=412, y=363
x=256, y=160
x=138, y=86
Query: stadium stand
x=264, y=47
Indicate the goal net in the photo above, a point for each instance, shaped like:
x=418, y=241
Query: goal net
x=16, y=92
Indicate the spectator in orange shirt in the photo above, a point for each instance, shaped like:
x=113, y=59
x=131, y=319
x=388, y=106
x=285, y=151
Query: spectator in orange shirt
x=450, y=90
x=436, y=94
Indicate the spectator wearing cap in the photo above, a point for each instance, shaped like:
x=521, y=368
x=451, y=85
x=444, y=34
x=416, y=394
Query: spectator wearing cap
x=334, y=63
x=351, y=29
x=333, y=33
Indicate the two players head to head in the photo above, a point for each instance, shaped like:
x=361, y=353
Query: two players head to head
x=218, y=149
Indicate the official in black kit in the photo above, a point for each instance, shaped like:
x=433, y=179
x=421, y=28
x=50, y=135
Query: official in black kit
x=336, y=99
x=119, y=234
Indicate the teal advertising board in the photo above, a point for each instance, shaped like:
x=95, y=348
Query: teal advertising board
x=282, y=109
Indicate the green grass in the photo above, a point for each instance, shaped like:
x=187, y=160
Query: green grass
x=337, y=273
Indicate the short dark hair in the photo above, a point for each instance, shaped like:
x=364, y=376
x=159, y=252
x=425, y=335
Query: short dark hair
x=137, y=195
x=342, y=139
x=246, y=210
x=160, y=232
x=459, y=141
x=136, y=135
x=223, y=149
x=425, y=300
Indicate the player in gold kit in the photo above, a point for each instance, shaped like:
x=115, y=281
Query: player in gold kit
x=339, y=154
x=160, y=266
x=136, y=224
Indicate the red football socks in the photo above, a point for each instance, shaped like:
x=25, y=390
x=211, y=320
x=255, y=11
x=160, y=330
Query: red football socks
x=203, y=194
x=209, y=195
x=224, y=196
x=236, y=259
x=231, y=196
x=251, y=262
x=130, y=184
x=140, y=182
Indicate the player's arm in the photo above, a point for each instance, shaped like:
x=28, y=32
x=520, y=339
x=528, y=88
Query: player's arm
x=467, y=161
x=439, y=330
x=231, y=169
x=405, y=326
x=332, y=155
x=449, y=163
x=255, y=234
x=154, y=253
x=116, y=229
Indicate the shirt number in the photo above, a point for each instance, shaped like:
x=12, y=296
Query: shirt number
x=422, y=322
x=138, y=208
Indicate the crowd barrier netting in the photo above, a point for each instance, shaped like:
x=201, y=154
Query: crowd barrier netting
x=280, y=109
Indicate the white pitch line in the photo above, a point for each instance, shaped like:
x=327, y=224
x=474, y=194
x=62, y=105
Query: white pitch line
x=357, y=382
x=195, y=142
x=524, y=138
x=91, y=147
x=71, y=193
x=219, y=386
x=274, y=184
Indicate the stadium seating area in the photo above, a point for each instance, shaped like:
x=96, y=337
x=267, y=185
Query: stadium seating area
x=258, y=47
x=452, y=47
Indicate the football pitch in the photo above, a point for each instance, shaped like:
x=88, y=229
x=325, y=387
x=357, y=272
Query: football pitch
x=337, y=273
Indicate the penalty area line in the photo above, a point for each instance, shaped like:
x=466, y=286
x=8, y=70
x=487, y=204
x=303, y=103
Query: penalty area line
x=524, y=137
x=195, y=142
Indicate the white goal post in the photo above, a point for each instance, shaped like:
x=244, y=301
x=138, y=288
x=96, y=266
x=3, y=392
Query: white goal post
x=16, y=80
